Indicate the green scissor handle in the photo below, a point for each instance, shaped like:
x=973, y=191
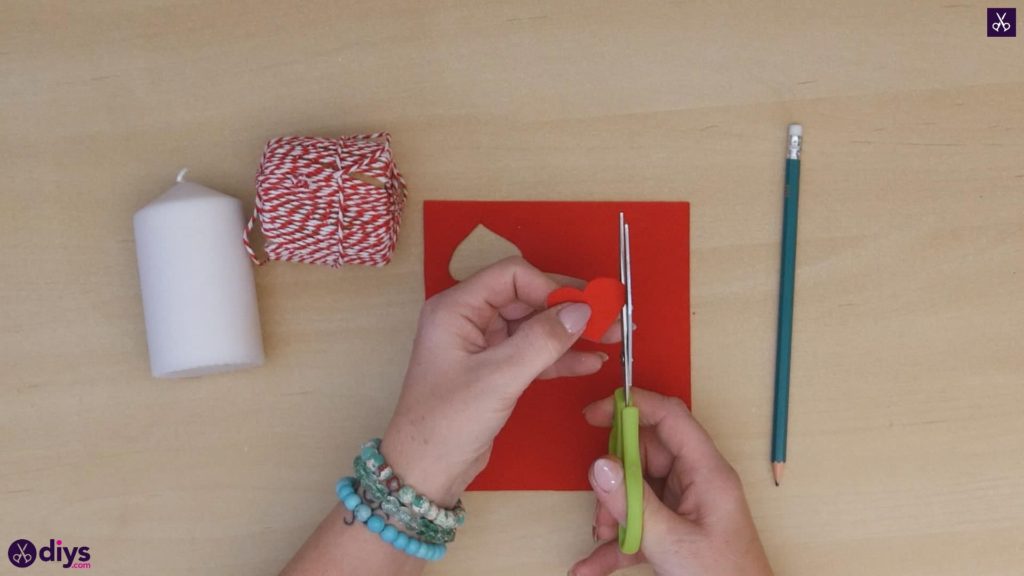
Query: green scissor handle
x=624, y=443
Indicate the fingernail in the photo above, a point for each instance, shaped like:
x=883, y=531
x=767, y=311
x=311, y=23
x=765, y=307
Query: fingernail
x=604, y=357
x=606, y=475
x=574, y=317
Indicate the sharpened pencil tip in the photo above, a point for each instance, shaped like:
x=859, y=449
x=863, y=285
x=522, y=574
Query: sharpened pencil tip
x=777, y=468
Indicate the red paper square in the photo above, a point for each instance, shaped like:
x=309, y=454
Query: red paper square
x=547, y=445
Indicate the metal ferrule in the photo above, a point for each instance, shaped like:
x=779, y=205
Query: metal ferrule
x=793, y=149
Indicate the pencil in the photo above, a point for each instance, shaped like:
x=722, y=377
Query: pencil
x=780, y=413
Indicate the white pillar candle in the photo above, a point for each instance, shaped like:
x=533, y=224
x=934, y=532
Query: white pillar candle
x=198, y=292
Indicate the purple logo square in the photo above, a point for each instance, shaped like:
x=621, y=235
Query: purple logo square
x=1002, y=22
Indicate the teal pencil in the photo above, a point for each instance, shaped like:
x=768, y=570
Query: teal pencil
x=780, y=415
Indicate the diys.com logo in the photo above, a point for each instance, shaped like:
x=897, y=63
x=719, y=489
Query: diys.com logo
x=23, y=553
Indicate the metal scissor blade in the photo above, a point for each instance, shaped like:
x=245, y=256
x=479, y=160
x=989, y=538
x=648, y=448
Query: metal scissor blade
x=626, y=277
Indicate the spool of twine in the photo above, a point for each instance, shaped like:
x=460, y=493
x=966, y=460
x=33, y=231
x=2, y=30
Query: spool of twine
x=328, y=201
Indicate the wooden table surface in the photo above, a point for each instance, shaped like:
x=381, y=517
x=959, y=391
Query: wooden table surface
x=906, y=443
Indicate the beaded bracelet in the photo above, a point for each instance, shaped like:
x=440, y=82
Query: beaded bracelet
x=346, y=490
x=436, y=525
x=373, y=461
x=377, y=495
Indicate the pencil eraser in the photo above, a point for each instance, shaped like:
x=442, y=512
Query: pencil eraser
x=796, y=130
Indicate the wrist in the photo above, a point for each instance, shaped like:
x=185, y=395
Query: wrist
x=427, y=473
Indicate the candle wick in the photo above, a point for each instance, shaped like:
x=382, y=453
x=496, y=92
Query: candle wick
x=181, y=174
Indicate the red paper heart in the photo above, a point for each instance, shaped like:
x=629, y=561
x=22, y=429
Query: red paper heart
x=605, y=296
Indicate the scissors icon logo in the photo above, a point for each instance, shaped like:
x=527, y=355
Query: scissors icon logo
x=1001, y=22
x=22, y=553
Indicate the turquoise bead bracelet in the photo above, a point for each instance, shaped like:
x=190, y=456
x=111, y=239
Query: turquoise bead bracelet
x=349, y=497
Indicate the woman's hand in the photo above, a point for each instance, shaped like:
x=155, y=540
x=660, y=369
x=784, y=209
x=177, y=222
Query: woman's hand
x=479, y=345
x=696, y=519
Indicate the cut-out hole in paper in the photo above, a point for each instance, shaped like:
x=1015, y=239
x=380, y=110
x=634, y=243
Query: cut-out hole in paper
x=482, y=247
x=478, y=251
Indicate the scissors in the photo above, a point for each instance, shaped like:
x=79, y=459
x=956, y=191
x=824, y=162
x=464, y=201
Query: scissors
x=624, y=442
x=1001, y=24
x=22, y=558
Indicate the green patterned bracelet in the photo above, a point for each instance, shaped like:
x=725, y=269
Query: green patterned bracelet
x=402, y=503
x=378, y=495
x=419, y=504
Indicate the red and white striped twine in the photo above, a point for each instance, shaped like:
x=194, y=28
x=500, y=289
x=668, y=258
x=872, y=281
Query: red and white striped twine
x=325, y=201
